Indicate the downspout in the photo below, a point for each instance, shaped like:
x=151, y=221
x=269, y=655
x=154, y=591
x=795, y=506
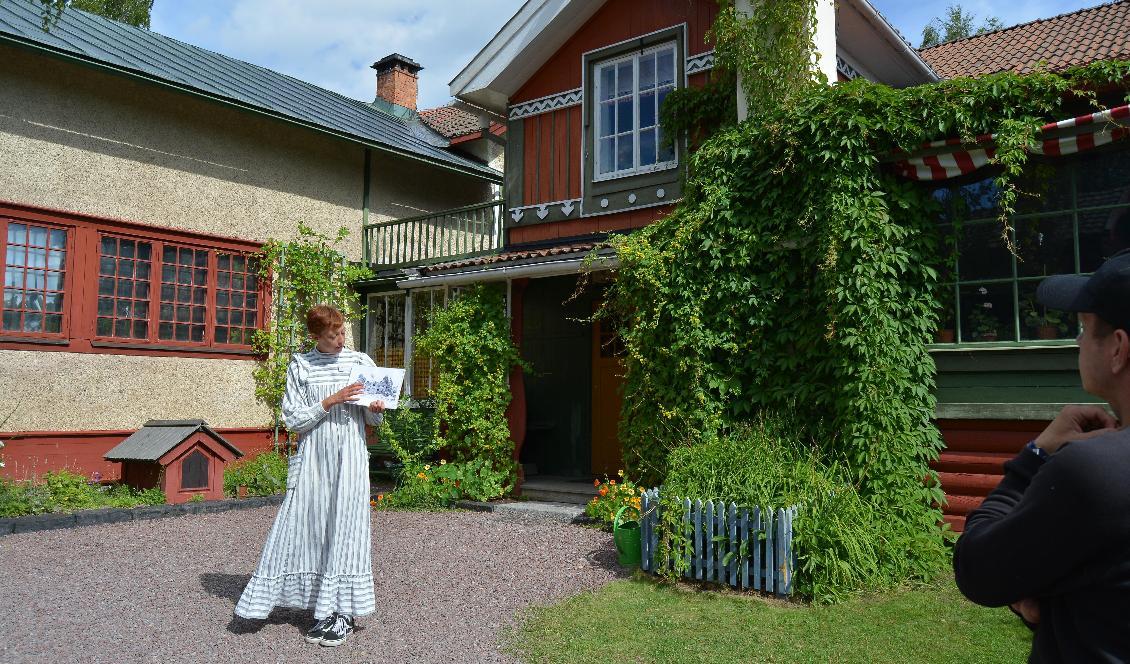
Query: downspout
x=367, y=173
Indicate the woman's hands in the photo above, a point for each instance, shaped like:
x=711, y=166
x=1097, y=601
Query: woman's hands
x=347, y=394
x=377, y=406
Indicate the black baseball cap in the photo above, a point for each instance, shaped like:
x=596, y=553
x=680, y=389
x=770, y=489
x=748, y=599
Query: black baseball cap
x=1105, y=293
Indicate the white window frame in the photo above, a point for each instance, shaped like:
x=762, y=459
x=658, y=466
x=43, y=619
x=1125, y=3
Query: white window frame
x=634, y=57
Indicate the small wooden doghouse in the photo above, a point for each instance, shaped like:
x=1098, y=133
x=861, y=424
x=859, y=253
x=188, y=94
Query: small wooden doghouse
x=182, y=457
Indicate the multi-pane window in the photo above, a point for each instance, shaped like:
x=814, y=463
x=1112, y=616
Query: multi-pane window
x=158, y=291
x=385, y=338
x=629, y=92
x=184, y=294
x=34, y=278
x=126, y=287
x=423, y=369
x=1062, y=226
x=237, y=299
x=125, y=267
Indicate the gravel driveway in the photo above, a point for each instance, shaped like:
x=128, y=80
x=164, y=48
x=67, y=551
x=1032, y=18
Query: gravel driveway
x=164, y=590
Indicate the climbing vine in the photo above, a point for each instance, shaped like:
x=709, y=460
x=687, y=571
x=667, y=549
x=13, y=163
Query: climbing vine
x=469, y=344
x=799, y=275
x=306, y=271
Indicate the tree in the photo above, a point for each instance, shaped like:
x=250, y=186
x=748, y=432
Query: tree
x=957, y=24
x=133, y=12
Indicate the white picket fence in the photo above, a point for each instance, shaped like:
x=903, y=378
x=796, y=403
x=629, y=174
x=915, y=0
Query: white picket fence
x=750, y=548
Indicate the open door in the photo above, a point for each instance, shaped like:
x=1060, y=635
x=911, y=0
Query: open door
x=607, y=377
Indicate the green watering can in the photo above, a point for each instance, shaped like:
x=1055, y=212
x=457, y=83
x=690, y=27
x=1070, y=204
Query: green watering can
x=626, y=534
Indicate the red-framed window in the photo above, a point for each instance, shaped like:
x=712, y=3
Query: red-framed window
x=35, y=279
x=97, y=285
x=237, y=298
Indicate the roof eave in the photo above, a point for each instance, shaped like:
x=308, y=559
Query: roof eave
x=531, y=36
x=6, y=38
x=903, y=50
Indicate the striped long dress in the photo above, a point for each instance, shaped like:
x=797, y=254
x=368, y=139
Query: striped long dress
x=319, y=552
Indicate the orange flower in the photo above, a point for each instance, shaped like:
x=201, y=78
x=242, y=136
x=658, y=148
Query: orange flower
x=422, y=476
x=380, y=497
x=603, y=491
x=612, y=482
x=596, y=482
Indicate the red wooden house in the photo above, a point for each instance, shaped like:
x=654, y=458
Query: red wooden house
x=579, y=84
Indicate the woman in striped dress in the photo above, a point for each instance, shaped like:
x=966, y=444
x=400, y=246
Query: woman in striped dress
x=319, y=554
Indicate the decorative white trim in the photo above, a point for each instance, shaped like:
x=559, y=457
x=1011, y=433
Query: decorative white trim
x=700, y=63
x=846, y=69
x=547, y=103
x=542, y=210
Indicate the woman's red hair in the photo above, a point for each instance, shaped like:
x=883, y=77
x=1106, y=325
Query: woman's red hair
x=321, y=317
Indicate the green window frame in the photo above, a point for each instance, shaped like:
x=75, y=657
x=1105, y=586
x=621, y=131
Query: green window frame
x=1061, y=227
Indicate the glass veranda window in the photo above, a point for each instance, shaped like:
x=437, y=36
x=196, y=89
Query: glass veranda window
x=629, y=92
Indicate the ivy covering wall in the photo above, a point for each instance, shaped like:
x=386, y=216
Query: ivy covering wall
x=799, y=276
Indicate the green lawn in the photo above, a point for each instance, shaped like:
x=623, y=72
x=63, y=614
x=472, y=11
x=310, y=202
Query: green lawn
x=642, y=621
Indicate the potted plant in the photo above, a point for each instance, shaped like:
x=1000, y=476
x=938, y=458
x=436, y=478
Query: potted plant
x=983, y=323
x=1048, y=323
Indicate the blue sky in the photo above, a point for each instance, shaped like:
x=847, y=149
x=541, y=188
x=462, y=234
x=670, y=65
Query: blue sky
x=332, y=42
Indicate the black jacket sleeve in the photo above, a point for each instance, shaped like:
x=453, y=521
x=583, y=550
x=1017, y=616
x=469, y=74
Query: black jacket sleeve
x=1032, y=531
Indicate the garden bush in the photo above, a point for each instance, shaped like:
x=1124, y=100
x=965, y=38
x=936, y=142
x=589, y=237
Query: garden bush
x=263, y=474
x=65, y=491
x=439, y=485
x=844, y=543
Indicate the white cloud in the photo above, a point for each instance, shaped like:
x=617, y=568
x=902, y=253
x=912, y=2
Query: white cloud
x=332, y=43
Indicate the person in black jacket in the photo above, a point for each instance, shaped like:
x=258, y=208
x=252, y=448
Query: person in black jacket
x=1053, y=539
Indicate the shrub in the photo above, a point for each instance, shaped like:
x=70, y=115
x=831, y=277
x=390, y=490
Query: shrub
x=263, y=474
x=418, y=489
x=844, y=543
x=611, y=496
x=438, y=486
x=65, y=491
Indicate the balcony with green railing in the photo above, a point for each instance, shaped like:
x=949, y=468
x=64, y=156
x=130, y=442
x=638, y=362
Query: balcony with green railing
x=466, y=232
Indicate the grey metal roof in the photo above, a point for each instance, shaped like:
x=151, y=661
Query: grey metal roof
x=157, y=437
x=155, y=57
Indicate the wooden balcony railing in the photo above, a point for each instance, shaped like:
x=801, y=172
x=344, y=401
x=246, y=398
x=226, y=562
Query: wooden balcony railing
x=449, y=235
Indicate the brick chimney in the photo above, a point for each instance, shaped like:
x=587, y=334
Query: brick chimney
x=396, y=80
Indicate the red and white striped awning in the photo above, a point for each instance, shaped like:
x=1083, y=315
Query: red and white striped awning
x=941, y=160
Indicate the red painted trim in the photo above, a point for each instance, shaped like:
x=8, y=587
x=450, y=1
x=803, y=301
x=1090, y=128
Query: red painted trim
x=467, y=137
x=32, y=453
x=70, y=217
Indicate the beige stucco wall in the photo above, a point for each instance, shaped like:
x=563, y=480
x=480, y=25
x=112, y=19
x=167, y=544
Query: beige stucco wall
x=84, y=392
x=78, y=139
x=81, y=140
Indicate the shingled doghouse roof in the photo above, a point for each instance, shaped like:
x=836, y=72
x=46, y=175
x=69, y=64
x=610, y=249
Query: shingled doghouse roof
x=157, y=437
x=1059, y=42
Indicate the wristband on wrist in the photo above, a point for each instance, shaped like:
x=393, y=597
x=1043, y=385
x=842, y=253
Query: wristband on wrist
x=1036, y=450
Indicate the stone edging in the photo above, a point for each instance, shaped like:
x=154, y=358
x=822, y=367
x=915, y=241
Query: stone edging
x=39, y=522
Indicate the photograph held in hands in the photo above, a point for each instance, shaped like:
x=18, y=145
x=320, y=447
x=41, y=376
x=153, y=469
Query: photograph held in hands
x=381, y=384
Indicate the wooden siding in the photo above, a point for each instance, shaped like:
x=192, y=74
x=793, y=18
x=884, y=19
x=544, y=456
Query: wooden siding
x=972, y=462
x=552, y=156
x=617, y=21
x=621, y=221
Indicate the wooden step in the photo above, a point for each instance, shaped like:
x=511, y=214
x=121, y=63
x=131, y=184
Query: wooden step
x=968, y=484
x=978, y=463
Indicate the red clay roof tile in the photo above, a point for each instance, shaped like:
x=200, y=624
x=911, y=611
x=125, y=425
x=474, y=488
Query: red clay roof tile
x=1059, y=42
